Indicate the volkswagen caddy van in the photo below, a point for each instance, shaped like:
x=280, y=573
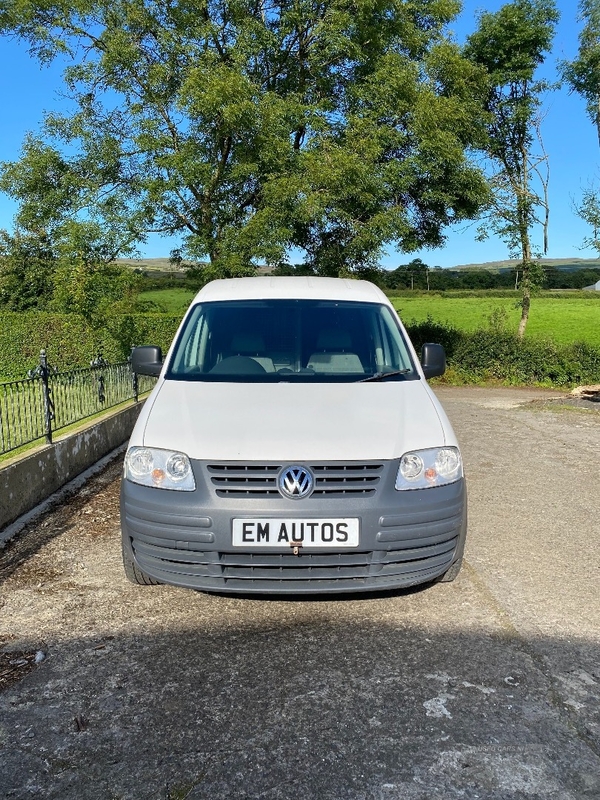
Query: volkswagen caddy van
x=292, y=445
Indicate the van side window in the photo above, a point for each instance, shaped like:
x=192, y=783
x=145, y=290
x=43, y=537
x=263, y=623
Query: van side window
x=192, y=346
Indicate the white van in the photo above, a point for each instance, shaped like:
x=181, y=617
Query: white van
x=292, y=445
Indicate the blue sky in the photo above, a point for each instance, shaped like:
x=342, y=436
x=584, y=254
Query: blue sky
x=27, y=91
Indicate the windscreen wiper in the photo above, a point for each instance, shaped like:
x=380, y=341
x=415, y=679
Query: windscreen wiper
x=381, y=376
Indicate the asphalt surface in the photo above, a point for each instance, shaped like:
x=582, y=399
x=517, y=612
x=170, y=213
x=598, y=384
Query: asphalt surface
x=487, y=688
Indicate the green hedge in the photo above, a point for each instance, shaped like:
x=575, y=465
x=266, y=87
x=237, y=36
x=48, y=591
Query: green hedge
x=499, y=355
x=472, y=357
x=70, y=341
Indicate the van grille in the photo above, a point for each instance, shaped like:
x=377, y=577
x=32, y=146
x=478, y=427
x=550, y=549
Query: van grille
x=260, y=480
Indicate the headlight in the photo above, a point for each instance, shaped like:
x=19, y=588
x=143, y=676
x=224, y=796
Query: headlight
x=161, y=469
x=423, y=469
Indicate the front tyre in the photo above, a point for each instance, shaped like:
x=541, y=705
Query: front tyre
x=135, y=574
x=451, y=573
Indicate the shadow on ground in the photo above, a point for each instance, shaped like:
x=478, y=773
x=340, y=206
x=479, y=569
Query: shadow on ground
x=307, y=700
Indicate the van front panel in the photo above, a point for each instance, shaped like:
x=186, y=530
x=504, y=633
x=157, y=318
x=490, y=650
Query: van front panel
x=237, y=533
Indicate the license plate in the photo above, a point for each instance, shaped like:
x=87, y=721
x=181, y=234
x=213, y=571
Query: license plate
x=283, y=532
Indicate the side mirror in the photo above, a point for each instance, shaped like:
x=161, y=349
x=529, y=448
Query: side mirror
x=433, y=360
x=147, y=360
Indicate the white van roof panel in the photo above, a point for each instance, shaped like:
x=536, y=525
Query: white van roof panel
x=293, y=287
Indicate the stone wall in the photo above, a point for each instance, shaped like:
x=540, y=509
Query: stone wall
x=27, y=481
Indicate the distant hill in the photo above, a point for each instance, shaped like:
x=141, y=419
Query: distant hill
x=164, y=266
x=150, y=264
x=567, y=264
x=161, y=266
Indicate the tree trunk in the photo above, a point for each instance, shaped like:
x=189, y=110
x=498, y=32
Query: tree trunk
x=525, y=304
x=524, y=215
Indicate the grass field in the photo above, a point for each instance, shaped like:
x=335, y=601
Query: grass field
x=169, y=301
x=566, y=318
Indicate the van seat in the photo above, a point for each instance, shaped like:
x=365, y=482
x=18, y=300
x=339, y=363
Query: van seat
x=253, y=346
x=335, y=362
x=333, y=353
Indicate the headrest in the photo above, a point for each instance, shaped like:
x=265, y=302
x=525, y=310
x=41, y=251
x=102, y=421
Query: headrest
x=334, y=339
x=247, y=343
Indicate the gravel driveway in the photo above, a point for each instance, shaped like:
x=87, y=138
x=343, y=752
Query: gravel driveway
x=487, y=688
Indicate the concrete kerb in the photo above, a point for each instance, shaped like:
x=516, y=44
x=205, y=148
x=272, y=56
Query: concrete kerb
x=43, y=477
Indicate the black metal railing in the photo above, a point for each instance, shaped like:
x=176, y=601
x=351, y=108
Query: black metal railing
x=49, y=400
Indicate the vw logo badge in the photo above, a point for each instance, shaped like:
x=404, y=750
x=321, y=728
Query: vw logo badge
x=295, y=482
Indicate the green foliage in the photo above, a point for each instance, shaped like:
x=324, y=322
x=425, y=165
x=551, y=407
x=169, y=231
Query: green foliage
x=494, y=354
x=488, y=353
x=585, y=359
x=589, y=211
x=331, y=127
x=571, y=279
x=69, y=271
x=129, y=330
x=509, y=46
x=498, y=320
x=86, y=280
x=93, y=290
x=583, y=73
x=511, y=43
x=70, y=341
x=417, y=276
x=27, y=265
x=430, y=331
x=497, y=355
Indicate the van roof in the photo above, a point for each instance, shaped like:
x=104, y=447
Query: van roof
x=293, y=287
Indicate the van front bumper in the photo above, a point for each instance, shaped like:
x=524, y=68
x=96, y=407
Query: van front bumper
x=185, y=538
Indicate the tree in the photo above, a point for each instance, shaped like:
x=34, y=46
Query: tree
x=583, y=73
x=27, y=266
x=86, y=280
x=589, y=211
x=250, y=128
x=510, y=45
x=414, y=275
x=74, y=273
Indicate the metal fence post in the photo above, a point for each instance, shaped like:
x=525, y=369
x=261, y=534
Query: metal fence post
x=99, y=361
x=46, y=394
x=134, y=380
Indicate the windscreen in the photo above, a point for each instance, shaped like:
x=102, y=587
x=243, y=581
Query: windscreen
x=290, y=340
